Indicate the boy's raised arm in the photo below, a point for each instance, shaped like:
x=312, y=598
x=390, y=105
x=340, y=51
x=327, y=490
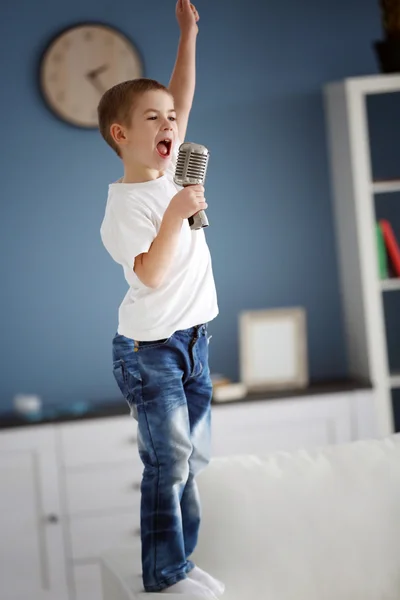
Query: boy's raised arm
x=183, y=80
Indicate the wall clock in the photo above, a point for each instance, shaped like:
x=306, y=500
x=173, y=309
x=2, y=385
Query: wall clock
x=80, y=64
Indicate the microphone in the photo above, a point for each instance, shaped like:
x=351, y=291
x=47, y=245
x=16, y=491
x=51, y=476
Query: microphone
x=191, y=169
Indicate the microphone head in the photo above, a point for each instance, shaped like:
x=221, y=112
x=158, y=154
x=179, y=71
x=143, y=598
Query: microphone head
x=191, y=164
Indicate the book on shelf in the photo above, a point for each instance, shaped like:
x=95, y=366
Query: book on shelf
x=382, y=255
x=391, y=250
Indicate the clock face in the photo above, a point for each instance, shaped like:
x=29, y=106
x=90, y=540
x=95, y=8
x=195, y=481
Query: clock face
x=80, y=65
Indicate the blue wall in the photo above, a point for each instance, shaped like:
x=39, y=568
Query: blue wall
x=259, y=109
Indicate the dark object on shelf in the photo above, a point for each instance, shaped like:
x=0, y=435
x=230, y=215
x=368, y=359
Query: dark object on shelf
x=388, y=50
x=388, y=53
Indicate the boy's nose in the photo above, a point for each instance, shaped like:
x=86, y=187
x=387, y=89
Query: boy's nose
x=167, y=124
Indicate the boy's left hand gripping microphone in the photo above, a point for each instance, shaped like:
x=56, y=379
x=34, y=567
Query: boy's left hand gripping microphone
x=191, y=169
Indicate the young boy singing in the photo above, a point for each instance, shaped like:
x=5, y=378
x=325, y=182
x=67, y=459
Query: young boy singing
x=160, y=351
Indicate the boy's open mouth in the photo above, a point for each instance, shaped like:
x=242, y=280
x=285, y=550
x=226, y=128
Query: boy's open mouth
x=164, y=148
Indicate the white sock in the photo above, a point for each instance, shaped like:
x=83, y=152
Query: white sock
x=190, y=587
x=217, y=587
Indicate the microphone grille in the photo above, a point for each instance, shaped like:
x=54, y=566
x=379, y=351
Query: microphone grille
x=191, y=164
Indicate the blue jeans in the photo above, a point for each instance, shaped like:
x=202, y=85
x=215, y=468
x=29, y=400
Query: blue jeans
x=168, y=388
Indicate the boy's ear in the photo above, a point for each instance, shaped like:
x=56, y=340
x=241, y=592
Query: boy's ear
x=118, y=134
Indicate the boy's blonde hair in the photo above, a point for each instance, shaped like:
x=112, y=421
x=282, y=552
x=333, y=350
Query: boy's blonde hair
x=118, y=103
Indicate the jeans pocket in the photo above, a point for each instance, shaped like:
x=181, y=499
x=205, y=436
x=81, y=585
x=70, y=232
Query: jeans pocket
x=121, y=377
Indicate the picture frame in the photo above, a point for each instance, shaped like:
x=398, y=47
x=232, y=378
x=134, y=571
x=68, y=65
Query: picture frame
x=273, y=349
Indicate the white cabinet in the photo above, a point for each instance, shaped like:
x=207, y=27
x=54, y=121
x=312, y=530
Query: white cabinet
x=32, y=559
x=102, y=471
x=91, y=469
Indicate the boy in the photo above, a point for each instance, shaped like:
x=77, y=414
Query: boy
x=160, y=352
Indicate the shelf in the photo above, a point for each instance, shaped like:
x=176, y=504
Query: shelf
x=389, y=285
x=372, y=84
x=386, y=187
x=395, y=380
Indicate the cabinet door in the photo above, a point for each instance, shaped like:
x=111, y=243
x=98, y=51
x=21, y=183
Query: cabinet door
x=97, y=442
x=263, y=427
x=32, y=562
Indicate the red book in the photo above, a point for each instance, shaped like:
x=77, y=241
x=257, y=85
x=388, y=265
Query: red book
x=391, y=245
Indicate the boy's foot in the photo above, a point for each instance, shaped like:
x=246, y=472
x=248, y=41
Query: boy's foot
x=217, y=587
x=191, y=588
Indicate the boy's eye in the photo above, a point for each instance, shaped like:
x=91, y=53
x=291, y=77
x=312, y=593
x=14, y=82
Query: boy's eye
x=154, y=118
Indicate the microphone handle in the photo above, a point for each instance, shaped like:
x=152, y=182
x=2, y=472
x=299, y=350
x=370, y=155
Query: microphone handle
x=198, y=221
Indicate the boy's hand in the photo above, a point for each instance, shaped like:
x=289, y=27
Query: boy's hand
x=188, y=202
x=187, y=16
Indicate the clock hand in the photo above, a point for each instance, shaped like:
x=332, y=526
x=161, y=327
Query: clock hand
x=97, y=85
x=93, y=74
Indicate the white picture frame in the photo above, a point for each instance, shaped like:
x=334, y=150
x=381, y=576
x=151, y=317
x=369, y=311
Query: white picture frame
x=273, y=349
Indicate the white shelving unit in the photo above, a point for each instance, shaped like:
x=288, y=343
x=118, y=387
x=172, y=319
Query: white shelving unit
x=395, y=380
x=354, y=207
x=389, y=285
x=386, y=187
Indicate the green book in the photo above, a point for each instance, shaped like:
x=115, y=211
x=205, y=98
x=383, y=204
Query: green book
x=382, y=256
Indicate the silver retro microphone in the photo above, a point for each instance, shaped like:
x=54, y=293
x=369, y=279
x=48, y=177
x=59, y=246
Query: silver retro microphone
x=191, y=169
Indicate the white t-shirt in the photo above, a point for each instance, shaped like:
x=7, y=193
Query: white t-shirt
x=187, y=296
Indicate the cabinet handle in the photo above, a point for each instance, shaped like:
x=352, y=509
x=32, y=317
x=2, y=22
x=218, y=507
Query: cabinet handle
x=136, y=532
x=52, y=519
x=136, y=486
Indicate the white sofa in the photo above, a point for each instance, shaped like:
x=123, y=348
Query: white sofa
x=305, y=525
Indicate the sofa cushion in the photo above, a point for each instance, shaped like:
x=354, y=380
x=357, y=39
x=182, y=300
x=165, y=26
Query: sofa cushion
x=307, y=525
